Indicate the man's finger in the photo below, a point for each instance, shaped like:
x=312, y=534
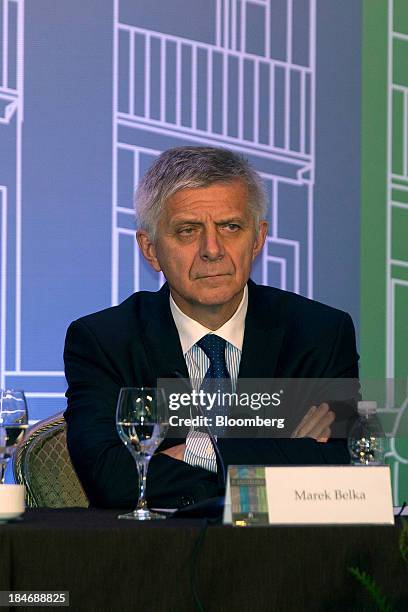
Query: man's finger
x=314, y=424
x=317, y=423
x=308, y=414
x=322, y=426
x=324, y=436
x=176, y=452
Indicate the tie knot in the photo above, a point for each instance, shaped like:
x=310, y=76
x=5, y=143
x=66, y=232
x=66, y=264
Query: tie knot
x=214, y=347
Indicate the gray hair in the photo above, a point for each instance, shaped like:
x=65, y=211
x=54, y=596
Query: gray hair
x=192, y=167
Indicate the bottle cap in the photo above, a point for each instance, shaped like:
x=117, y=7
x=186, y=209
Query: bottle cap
x=365, y=408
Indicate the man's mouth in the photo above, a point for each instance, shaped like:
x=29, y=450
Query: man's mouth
x=212, y=275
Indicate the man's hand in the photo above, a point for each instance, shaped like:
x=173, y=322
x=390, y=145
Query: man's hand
x=316, y=423
x=177, y=452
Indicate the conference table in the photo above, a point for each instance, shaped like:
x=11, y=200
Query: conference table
x=182, y=565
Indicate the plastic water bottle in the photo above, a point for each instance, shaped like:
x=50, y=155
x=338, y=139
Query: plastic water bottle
x=367, y=438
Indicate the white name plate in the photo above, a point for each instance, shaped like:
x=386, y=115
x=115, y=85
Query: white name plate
x=308, y=495
x=345, y=495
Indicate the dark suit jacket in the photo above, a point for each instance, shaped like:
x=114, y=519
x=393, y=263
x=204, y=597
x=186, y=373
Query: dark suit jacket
x=135, y=343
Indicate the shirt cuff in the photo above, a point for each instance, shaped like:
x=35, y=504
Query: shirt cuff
x=199, y=451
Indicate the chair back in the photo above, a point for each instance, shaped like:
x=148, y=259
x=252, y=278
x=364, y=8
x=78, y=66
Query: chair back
x=43, y=465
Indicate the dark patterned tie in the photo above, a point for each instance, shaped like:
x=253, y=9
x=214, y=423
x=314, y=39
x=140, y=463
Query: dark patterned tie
x=217, y=377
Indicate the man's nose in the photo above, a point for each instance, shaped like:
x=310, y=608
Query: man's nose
x=211, y=247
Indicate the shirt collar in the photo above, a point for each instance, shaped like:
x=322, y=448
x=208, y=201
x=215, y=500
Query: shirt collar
x=191, y=331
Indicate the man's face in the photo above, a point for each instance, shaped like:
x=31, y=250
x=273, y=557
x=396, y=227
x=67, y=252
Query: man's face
x=205, y=244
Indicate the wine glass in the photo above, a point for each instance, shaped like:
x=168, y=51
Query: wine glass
x=13, y=423
x=142, y=423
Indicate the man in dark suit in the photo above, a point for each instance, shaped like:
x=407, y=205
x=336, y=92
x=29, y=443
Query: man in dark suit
x=201, y=221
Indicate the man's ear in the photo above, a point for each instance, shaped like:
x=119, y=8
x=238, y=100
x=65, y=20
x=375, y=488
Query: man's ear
x=148, y=249
x=260, y=238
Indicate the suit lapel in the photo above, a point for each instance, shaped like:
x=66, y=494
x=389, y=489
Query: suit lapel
x=264, y=333
x=160, y=337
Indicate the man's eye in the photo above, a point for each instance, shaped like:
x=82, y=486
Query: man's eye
x=231, y=227
x=186, y=231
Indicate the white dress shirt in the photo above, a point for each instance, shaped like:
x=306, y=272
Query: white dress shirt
x=199, y=450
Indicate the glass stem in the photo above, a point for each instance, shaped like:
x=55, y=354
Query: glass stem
x=142, y=465
x=3, y=465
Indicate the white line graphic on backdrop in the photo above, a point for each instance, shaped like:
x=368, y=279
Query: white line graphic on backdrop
x=3, y=287
x=396, y=182
x=12, y=98
x=211, y=53
x=397, y=202
x=197, y=107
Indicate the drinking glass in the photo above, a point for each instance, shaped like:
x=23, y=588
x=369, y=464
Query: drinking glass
x=142, y=423
x=13, y=423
